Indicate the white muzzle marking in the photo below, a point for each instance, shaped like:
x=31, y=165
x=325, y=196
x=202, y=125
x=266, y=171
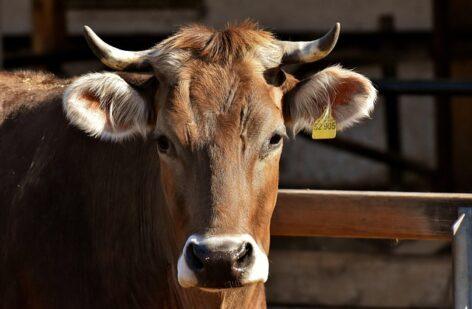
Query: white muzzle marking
x=257, y=272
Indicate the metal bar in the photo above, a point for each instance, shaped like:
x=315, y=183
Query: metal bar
x=462, y=259
x=400, y=87
x=424, y=87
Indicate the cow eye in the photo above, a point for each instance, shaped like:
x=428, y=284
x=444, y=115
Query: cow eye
x=163, y=143
x=275, y=139
x=273, y=143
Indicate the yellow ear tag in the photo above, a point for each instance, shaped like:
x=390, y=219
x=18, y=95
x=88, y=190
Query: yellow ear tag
x=325, y=126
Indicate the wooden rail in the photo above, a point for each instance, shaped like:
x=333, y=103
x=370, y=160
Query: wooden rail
x=363, y=214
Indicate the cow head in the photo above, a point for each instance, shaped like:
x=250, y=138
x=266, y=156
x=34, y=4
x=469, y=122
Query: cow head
x=218, y=106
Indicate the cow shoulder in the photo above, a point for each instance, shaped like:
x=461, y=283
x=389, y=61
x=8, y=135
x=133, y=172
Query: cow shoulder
x=21, y=91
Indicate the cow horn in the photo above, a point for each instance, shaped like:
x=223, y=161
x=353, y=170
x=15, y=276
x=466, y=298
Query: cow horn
x=113, y=57
x=304, y=52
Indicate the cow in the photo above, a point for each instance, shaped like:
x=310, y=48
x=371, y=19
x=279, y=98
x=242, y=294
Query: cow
x=153, y=185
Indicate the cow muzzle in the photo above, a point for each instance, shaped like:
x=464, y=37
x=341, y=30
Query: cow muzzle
x=219, y=262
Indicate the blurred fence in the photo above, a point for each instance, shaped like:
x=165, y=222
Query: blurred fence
x=384, y=215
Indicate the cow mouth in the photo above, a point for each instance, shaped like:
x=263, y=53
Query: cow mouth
x=216, y=287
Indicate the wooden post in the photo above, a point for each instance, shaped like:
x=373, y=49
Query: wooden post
x=444, y=138
x=48, y=25
x=461, y=69
x=49, y=29
x=462, y=255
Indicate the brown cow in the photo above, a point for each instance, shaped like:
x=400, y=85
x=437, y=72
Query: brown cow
x=140, y=190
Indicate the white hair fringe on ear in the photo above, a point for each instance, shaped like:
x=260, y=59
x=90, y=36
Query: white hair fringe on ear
x=121, y=112
x=361, y=104
x=321, y=90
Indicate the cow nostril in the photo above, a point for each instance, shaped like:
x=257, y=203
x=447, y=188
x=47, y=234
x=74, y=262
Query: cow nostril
x=245, y=255
x=192, y=257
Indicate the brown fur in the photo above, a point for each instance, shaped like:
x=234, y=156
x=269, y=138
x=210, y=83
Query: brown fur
x=88, y=223
x=233, y=43
x=32, y=87
x=82, y=222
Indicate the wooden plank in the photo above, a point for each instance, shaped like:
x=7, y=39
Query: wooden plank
x=359, y=214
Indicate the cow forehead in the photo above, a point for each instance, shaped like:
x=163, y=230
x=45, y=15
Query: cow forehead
x=209, y=100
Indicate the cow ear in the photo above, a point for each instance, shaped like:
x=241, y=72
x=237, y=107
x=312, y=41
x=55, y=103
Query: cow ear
x=111, y=106
x=351, y=97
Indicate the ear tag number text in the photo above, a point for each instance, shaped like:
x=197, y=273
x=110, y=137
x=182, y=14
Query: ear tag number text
x=325, y=126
